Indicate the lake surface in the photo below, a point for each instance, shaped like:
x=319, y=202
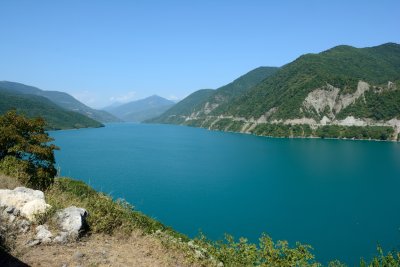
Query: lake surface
x=342, y=197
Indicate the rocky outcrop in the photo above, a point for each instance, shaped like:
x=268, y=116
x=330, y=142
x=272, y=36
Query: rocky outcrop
x=328, y=97
x=72, y=220
x=24, y=201
x=322, y=98
x=348, y=99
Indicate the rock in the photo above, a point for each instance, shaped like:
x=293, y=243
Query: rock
x=78, y=255
x=27, y=201
x=72, y=220
x=33, y=242
x=61, y=238
x=43, y=234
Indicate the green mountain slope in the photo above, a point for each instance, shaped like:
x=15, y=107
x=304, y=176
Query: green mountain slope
x=39, y=106
x=207, y=102
x=184, y=107
x=62, y=99
x=343, y=92
x=342, y=67
x=143, y=109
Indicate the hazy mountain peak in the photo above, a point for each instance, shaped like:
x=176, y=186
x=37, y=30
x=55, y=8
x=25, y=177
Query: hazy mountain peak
x=142, y=109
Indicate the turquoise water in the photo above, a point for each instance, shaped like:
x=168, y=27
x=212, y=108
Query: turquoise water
x=341, y=197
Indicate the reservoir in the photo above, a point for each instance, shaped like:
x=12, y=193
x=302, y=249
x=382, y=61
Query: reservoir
x=340, y=196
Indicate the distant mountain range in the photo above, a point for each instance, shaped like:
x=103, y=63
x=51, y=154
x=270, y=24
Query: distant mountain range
x=39, y=106
x=140, y=110
x=344, y=92
x=202, y=102
x=60, y=110
x=62, y=99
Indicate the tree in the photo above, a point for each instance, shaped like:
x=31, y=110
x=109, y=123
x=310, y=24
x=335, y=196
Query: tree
x=25, y=151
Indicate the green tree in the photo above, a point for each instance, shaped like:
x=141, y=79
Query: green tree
x=25, y=151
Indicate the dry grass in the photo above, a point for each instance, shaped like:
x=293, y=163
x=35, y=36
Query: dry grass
x=104, y=250
x=7, y=182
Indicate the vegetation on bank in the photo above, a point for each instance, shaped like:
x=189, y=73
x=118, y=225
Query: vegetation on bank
x=25, y=141
x=298, y=130
x=327, y=131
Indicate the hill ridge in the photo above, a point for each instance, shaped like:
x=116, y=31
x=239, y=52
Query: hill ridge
x=61, y=99
x=365, y=82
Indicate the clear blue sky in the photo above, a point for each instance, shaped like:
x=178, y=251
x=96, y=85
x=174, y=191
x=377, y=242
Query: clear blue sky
x=101, y=51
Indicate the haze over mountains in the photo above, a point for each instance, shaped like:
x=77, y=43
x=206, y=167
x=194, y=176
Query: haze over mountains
x=341, y=92
x=140, y=110
x=341, y=87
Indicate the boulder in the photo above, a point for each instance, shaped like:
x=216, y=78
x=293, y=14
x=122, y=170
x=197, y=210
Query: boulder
x=72, y=220
x=24, y=201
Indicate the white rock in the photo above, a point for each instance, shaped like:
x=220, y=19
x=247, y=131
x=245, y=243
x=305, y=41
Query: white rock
x=36, y=206
x=62, y=238
x=28, y=201
x=43, y=234
x=72, y=220
x=33, y=242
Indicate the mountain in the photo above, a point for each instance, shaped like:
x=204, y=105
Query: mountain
x=184, y=108
x=143, y=109
x=112, y=106
x=207, y=101
x=343, y=92
x=62, y=99
x=39, y=106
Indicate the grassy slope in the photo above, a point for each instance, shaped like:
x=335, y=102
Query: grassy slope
x=38, y=106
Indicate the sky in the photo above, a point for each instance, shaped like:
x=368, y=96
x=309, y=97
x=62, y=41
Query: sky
x=117, y=51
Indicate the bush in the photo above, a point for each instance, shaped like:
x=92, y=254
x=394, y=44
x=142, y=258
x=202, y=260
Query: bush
x=266, y=253
x=25, y=152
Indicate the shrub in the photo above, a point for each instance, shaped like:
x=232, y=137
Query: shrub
x=266, y=253
x=25, y=152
